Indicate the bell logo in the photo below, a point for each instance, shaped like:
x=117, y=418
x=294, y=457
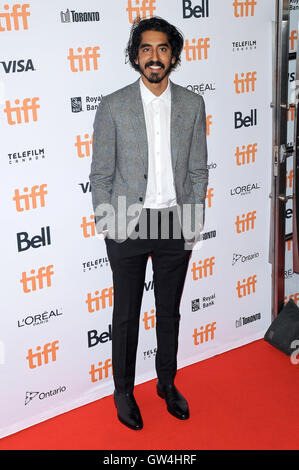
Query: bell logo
x=209, y=196
x=21, y=112
x=203, y=269
x=11, y=20
x=204, y=334
x=39, y=358
x=30, y=200
x=88, y=228
x=36, y=281
x=149, y=320
x=98, y=301
x=246, y=155
x=197, y=50
x=244, y=8
x=84, y=147
x=247, y=287
x=246, y=222
x=293, y=38
x=82, y=61
x=101, y=371
x=245, y=84
x=142, y=9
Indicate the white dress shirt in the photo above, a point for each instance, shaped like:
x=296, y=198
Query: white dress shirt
x=160, y=187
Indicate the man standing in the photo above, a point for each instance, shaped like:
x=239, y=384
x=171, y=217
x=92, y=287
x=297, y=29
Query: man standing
x=150, y=159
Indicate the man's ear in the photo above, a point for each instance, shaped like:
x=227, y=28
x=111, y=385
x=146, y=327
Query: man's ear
x=173, y=58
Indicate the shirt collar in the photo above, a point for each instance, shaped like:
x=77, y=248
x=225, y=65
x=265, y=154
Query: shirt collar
x=147, y=96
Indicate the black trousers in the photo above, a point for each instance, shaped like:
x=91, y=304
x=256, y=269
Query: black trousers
x=128, y=262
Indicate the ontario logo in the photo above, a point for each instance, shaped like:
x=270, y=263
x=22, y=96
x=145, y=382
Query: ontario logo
x=42, y=395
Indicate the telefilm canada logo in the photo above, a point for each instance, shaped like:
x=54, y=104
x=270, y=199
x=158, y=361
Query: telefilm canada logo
x=43, y=395
x=26, y=156
x=95, y=264
x=73, y=16
x=244, y=45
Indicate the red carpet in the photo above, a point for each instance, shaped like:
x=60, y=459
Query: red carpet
x=243, y=399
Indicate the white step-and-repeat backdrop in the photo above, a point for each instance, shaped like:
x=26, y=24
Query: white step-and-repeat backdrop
x=58, y=58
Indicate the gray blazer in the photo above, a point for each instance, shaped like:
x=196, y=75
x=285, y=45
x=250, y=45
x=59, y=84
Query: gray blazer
x=119, y=165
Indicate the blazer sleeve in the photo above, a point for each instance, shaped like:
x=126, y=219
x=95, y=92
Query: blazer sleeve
x=198, y=170
x=103, y=156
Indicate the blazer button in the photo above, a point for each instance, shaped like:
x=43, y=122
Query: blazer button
x=145, y=176
x=140, y=199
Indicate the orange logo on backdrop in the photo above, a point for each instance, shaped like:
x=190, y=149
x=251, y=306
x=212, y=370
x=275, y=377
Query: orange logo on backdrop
x=30, y=200
x=209, y=196
x=246, y=155
x=247, y=287
x=20, y=113
x=246, y=222
x=97, y=302
x=289, y=245
x=10, y=20
x=203, y=269
x=295, y=297
x=82, y=61
x=209, y=123
x=289, y=178
x=84, y=147
x=197, y=50
x=204, y=333
x=140, y=9
x=245, y=84
x=39, y=358
x=244, y=8
x=149, y=320
x=101, y=371
x=291, y=114
x=89, y=228
x=36, y=281
x=293, y=38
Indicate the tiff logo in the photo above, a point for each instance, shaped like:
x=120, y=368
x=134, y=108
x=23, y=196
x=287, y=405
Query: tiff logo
x=88, y=228
x=246, y=155
x=142, y=9
x=149, y=320
x=244, y=8
x=289, y=178
x=19, y=113
x=39, y=358
x=82, y=61
x=197, y=50
x=97, y=302
x=38, y=192
x=101, y=371
x=245, y=84
x=246, y=222
x=84, y=147
x=10, y=20
x=247, y=286
x=36, y=281
x=203, y=269
x=209, y=196
x=204, y=334
x=293, y=38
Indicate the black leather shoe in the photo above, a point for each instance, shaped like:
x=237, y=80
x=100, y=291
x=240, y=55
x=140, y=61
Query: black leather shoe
x=176, y=404
x=127, y=410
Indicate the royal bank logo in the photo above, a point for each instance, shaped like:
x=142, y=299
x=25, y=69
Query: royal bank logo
x=91, y=103
x=73, y=16
x=203, y=302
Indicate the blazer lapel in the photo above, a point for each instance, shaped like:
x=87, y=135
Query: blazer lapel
x=175, y=124
x=136, y=115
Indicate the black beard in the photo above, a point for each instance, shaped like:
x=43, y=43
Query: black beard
x=154, y=78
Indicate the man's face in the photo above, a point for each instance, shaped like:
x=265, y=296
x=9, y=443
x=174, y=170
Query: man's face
x=154, y=56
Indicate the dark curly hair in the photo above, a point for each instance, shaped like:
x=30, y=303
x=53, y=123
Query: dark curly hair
x=175, y=38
